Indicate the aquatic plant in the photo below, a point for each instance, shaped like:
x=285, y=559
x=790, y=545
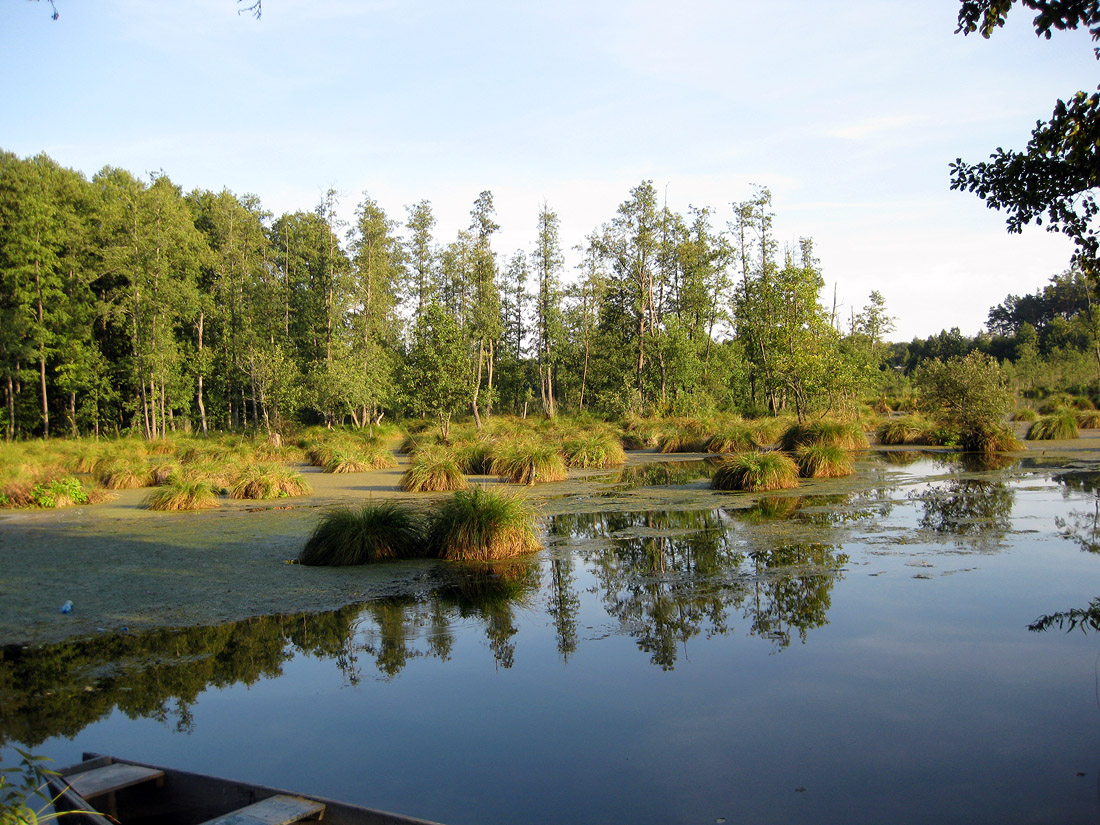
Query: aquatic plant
x=1058, y=425
x=594, y=450
x=269, y=481
x=379, y=531
x=183, y=493
x=844, y=434
x=528, y=462
x=433, y=469
x=823, y=461
x=483, y=525
x=756, y=471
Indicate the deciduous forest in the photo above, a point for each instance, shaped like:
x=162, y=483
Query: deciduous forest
x=130, y=306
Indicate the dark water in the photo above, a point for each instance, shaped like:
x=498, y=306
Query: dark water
x=857, y=656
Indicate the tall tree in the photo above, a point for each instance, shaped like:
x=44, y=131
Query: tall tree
x=548, y=260
x=485, y=324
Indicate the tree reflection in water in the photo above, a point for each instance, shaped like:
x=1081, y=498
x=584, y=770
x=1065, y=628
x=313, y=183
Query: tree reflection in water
x=665, y=577
x=969, y=508
x=1083, y=528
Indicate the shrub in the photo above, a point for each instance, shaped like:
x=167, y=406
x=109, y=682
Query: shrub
x=61, y=492
x=183, y=493
x=969, y=395
x=433, y=469
x=1059, y=425
x=595, y=450
x=843, y=434
x=527, y=462
x=268, y=481
x=483, y=525
x=358, y=535
x=823, y=461
x=756, y=471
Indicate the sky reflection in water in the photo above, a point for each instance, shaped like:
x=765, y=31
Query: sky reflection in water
x=856, y=657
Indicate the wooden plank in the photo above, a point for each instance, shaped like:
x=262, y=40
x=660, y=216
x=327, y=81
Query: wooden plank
x=109, y=778
x=275, y=810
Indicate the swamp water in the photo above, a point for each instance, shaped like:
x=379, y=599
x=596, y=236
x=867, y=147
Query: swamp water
x=675, y=655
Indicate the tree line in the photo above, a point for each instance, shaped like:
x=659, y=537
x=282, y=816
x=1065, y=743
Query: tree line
x=129, y=305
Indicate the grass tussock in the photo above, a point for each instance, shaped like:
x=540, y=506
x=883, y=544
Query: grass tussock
x=595, y=450
x=844, y=434
x=124, y=472
x=474, y=457
x=1056, y=426
x=357, y=459
x=823, y=461
x=529, y=462
x=183, y=493
x=269, y=481
x=1025, y=414
x=908, y=429
x=685, y=436
x=483, y=525
x=433, y=469
x=735, y=437
x=358, y=535
x=1088, y=419
x=990, y=439
x=756, y=471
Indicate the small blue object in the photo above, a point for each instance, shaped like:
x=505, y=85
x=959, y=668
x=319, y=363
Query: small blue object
x=67, y=607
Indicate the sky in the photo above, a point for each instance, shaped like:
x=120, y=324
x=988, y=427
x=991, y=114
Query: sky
x=849, y=112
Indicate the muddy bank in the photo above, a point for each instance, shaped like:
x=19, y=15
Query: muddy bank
x=123, y=566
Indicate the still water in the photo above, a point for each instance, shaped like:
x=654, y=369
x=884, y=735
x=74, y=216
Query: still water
x=863, y=655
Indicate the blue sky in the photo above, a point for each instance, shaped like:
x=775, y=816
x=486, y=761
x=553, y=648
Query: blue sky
x=850, y=112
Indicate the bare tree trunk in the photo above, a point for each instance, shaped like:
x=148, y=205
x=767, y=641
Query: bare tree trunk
x=477, y=383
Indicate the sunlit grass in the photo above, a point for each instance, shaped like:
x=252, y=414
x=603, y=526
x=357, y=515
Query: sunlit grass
x=357, y=535
x=755, y=472
x=483, y=525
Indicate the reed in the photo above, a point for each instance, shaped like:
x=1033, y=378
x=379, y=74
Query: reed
x=756, y=471
x=483, y=525
x=358, y=535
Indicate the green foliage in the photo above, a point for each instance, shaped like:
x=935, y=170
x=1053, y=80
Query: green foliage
x=357, y=535
x=1054, y=179
x=967, y=394
x=1060, y=425
x=483, y=525
x=433, y=469
x=62, y=492
x=23, y=792
x=756, y=471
